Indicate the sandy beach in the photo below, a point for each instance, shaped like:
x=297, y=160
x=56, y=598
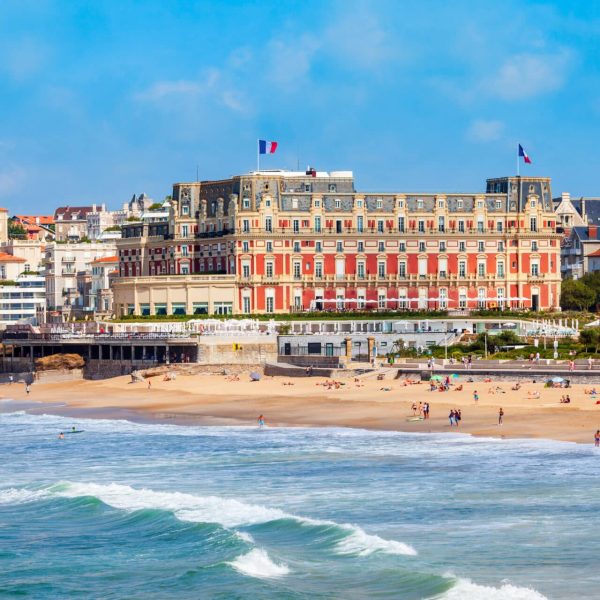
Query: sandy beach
x=368, y=403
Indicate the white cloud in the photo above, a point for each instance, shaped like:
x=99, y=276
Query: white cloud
x=11, y=178
x=160, y=90
x=481, y=130
x=523, y=76
x=24, y=58
x=234, y=101
x=291, y=60
x=358, y=38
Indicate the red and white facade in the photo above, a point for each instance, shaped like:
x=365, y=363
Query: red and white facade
x=292, y=242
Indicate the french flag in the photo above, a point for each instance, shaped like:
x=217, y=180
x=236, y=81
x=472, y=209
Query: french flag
x=524, y=155
x=265, y=147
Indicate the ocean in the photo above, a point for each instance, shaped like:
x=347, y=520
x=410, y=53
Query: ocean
x=129, y=510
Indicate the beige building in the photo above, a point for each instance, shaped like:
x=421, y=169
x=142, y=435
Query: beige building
x=31, y=251
x=10, y=266
x=175, y=295
x=3, y=225
x=65, y=264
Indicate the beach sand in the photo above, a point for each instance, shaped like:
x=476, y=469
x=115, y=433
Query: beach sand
x=369, y=404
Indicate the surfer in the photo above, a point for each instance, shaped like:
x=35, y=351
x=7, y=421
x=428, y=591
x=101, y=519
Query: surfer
x=261, y=421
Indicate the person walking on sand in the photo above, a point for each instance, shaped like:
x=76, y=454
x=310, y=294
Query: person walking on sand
x=261, y=421
x=414, y=409
x=451, y=417
x=149, y=384
x=426, y=410
x=27, y=388
x=500, y=416
x=457, y=417
x=475, y=396
x=10, y=379
x=597, y=438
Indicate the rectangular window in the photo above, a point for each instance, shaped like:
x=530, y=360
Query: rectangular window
x=421, y=226
x=500, y=269
x=402, y=268
x=270, y=307
x=178, y=308
x=361, y=247
x=245, y=246
x=442, y=246
x=184, y=230
x=318, y=270
x=360, y=269
x=402, y=247
x=185, y=269
x=441, y=224
x=401, y=224
x=381, y=303
x=318, y=246
x=500, y=246
x=297, y=270
x=379, y=226
x=160, y=309
x=246, y=203
x=296, y=246
x=461, y=226
x=246, y=305
x=269, y=269
x=499, y=226
x=479, y=226
x=268, y=224
x=145, y=310
x=535, y=269
x=480, y=246
x=269, y=246
x=462, y=268
x=223, y=308
x=533, y=224
x=534, y=246
x=317, y=224
x=296, y=225
x=481, y=269
x=246, y=226
x=359, y=224
x=246, y=270
x=381, y=269
x=421, y=246
x=381, y=246
x=339, y=246
x=184, y=250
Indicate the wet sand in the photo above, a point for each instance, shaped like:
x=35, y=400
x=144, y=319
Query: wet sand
x=369, y=403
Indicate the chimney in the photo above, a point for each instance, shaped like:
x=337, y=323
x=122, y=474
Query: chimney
x=583, y=210
x=593, y=232
x=93, y=208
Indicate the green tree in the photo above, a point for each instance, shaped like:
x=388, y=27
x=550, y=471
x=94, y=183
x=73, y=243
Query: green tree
x=155, y=206
x=576, y=295
x=590, y=337
x=16, y=230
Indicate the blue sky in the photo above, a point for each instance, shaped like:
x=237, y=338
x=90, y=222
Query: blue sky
x=102, y=99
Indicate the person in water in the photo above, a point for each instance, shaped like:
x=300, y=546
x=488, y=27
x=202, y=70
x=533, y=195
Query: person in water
x=73, y=429
x=261, y=421
x=597, y=438
x=61, y=436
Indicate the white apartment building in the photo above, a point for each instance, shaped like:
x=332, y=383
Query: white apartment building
x=65, y=263
x=21, y=300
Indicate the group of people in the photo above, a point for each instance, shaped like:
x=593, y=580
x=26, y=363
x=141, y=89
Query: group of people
x=565, y=399
x=422, y=410
x=455, y=417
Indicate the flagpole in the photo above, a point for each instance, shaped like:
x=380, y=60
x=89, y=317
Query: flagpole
x=518, y=162
x=258, y=155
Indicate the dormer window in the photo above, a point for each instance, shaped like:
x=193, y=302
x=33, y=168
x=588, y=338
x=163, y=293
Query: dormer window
x=338, y=203
x=308, y=187
x=419, y=204
x=400, y=203
x=359, y=204
x=459, y=204
x=332, y=187
x=532, y=203
x=268, y=203
x=379, y=203
x=317, y=204
x=246, y=203
x=294, y=203
x=480, y=204
x=440, y=204
x=498, y=204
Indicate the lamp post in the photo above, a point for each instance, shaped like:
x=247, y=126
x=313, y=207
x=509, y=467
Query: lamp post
x=485, y=344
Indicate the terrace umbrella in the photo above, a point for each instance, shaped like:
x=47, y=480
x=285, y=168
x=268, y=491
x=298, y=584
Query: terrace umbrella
x=557, y=380
x=454, y=375
x=438, y=377
x=254, y=376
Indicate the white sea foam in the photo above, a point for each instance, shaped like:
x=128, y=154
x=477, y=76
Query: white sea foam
x=223, y=511
x=257, y=563
x=363, y=544
x=244, y=536
x=467, y=590
x=21, y=495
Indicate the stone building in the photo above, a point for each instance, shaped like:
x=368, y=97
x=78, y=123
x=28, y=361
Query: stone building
x=294, y=241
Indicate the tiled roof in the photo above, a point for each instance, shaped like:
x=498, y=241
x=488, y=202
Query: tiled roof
x=5, y=257
x=106, y=259
x=595, y=253
x=36, y=219
x=70, y=213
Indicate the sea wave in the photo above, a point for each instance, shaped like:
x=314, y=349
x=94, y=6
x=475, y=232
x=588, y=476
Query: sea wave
x=257, y=563
x=22, y=495
x=229, y=513
x=467, y=590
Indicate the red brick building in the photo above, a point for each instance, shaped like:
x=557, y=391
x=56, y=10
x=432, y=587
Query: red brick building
x=296, y=241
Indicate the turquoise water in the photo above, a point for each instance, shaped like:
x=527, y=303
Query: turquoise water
x=128, y=510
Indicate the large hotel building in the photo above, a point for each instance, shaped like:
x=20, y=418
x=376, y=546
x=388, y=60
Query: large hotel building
x=279, y=241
